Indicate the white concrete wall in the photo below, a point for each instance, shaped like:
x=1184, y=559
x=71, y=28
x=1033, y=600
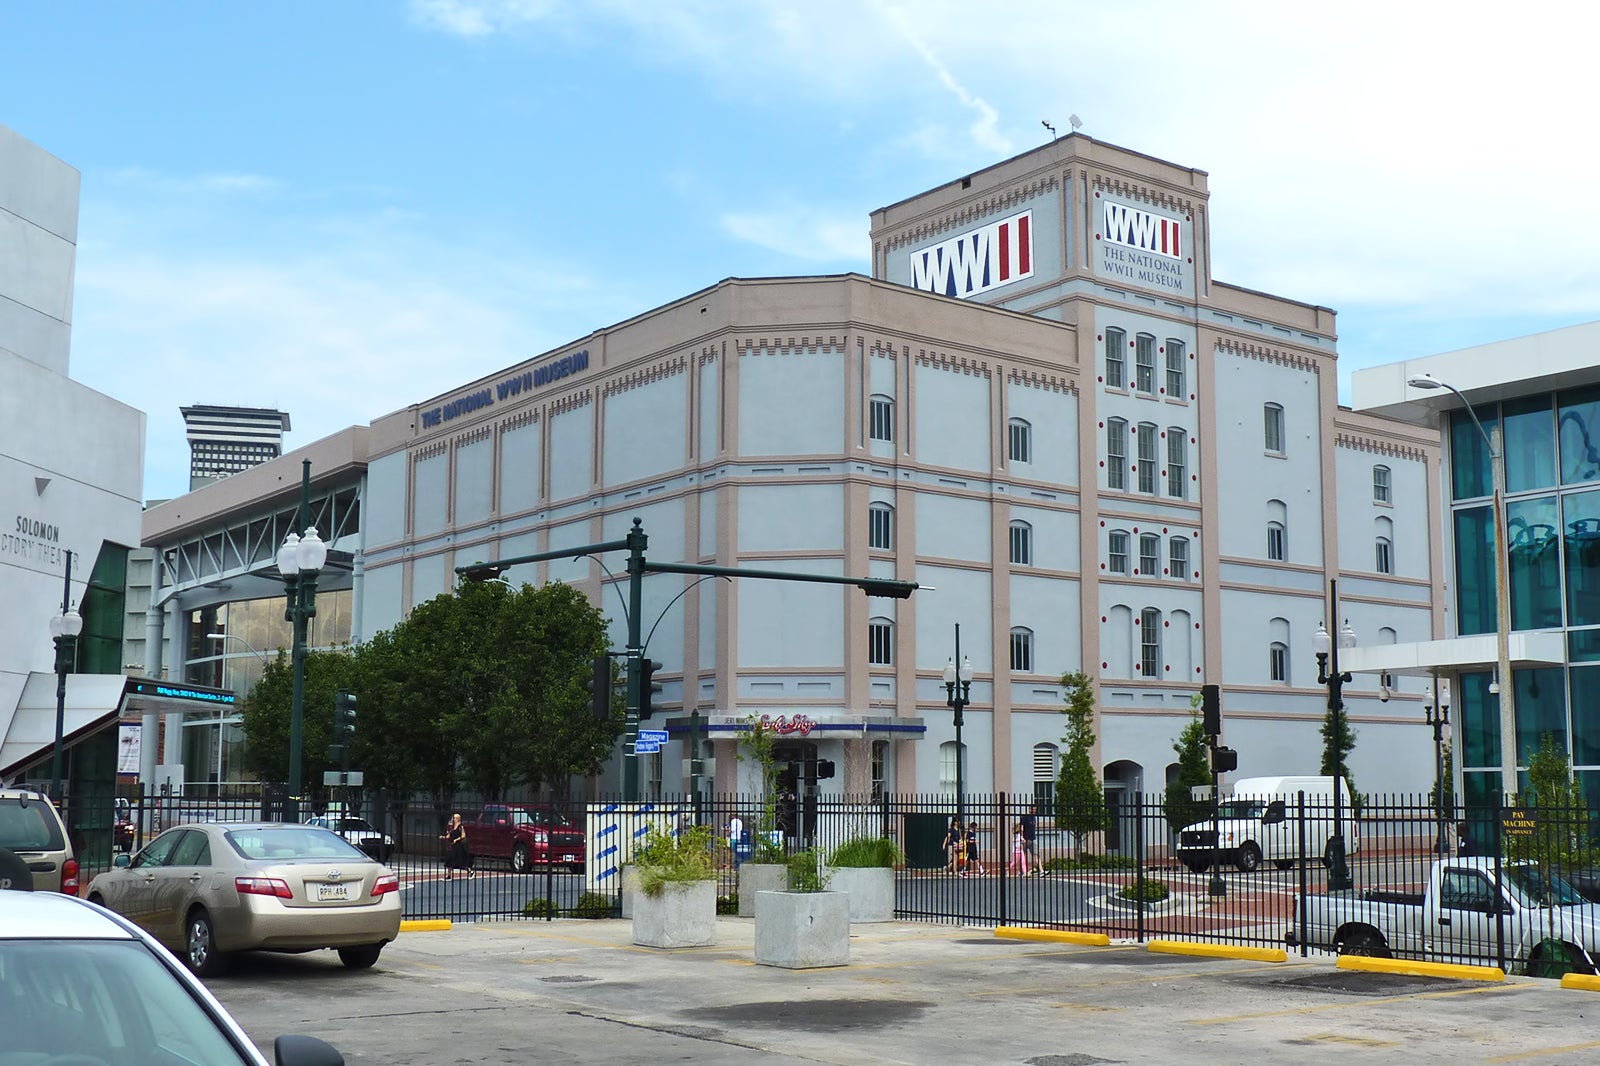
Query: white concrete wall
x=809, y=387
x=646, y=430
x=1252, y=477
x=953, y=412
x=38, y=249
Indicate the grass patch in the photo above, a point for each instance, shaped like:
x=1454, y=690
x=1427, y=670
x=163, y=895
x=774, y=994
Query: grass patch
x=866, y=853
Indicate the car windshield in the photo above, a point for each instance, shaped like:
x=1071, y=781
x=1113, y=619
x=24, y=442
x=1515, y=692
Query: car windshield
x=293, y=842
x=1238, y=808
x=1534, y=887
x=101, y=1001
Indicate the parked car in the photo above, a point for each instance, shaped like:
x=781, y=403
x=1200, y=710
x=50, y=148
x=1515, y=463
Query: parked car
x=1460, y=917
x=360, y=832
x=208, y=889
x=1260, y=821
x=526, y=837
x=87, y=987
x=32, y=830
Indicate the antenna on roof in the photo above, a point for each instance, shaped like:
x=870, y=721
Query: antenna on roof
x=1049, y=127
x=1076, y=122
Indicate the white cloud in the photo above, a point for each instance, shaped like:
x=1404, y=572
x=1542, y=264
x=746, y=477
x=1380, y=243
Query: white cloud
x=803, y=233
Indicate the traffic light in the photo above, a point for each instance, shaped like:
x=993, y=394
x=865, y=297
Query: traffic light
x=1211, y=709
x=344, y=716
x=825, y=769
x=1224, y=760
x=600, y=689
x=648, y=687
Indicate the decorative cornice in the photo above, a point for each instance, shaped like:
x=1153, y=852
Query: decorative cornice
x=883, y=349
x=571, y=403
x=430, y=451
x=833, y=344
x=645, y=376
x=1378, y=446
x=709, y=354
x=1269, y=354
x=473, y=436
x=1040, y=380
x=1134, y=191
x=518, y=420
x=988, y=206
x=960, y=364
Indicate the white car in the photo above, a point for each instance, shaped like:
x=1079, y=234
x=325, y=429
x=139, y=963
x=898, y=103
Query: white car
x=81, y=985
x=360, y=832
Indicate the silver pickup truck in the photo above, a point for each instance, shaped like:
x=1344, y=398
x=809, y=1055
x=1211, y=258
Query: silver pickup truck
x=1537, y=918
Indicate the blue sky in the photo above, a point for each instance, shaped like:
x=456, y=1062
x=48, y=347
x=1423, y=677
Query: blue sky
x=343, y=208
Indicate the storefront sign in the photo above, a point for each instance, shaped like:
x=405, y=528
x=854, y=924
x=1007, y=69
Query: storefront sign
x=975, y=262
x=785, y=725
x=1145, y=247
x=514, y=385
x=180, y=692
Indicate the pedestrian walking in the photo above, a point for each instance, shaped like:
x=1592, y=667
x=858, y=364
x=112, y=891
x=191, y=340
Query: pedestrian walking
x=954, y=848
x=1030, y=829
x=1019, y=852
x=974, y=864
x=457, y=855
x=736, y=841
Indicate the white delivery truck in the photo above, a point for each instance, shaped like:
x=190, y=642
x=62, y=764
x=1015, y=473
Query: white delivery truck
x=1260, y=819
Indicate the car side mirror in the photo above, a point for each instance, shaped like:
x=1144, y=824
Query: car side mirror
x=305, y=1051
x=122, y=861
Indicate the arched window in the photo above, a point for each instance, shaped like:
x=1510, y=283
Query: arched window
x=1383, y=556
x=1278, y=650
x=1144, y=363
x=1177, y=370
x=882, y=420
x=1380, y=485
x=1117, y=646
x=1021, y=650
x=1150, y=643
x=880, y=526
x=949, y=753
x=880, y=642
x=1178, y=558
x=1272, y=417
x=1277, y=530
x=1021, y=544
x=1020, y=433
x=1177, y=463
x=1149, y=554
x=1117, y=454
x=1116, y=359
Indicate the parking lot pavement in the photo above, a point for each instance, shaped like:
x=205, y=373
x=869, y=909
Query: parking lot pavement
x=574, y=991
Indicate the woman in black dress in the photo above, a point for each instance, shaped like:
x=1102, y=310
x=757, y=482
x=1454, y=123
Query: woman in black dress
x=456, y=854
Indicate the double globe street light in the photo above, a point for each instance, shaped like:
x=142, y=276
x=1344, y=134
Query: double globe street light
x=64, y=630
x=300, y=560
x=957, y=698
x=1328, y=673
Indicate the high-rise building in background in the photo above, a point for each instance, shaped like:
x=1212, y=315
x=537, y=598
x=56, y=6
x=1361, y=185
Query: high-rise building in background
x=226, y=440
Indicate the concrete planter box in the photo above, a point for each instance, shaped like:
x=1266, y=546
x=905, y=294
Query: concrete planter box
x=683, y=916
x=630, y=888
x=759, y=877
x=802, y=930
x=870, y=888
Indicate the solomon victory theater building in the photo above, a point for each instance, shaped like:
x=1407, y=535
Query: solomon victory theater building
x=1041, y=406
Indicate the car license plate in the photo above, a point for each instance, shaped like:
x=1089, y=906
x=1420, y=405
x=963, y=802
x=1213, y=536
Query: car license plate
x=327, y=892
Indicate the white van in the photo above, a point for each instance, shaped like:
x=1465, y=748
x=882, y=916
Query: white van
x=1259, y=820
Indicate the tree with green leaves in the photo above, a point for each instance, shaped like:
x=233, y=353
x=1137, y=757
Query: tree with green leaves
x=1336, y=752
x=1080, y=798
x=757, y=743
x=1194, y=768
x=265, y=714
x=1554, y=801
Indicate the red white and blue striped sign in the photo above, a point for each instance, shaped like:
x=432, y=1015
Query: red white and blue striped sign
x=1144, y=230
x=977, y=261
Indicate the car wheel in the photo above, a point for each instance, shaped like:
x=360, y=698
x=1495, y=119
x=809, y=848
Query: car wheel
x=1366, y=942
x=1283, y=864
x=519, y=859
x=1248, y=857
x=200, y=945
x=360, y=957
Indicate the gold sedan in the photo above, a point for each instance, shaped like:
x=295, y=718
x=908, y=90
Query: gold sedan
x=208, y=889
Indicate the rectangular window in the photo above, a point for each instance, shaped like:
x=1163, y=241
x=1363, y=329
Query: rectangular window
x=882, y=418
x=1021, y=441
x=1116, y=375
x=1021, y=651
x=1177, y=370
x=1177, y=463
x=1117, y=552
x=1275, y=541
x=1021, y=544
x=1150, y=643
x=1380, y=485
x=1147, y=457
x=1116, y=454
x=880, y=637
x=1178, y=558
x=1272, y=416
x=1149, y=554
x=1385, y=558
x=1278, y=662
x=1144, y=360
x=880, y=528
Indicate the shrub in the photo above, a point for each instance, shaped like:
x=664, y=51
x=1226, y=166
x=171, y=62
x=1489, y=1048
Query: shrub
x=728, y=904
x=860, y=852
x=671, y=859
x=539, y=908
x=593, y=905
x=1089, y=861
x=803, y=873
x=1153, y=891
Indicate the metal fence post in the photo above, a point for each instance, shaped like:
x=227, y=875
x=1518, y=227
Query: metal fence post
x=1139, y=861
x=1000, y=857
x=1300, y=907
x=1499, y=884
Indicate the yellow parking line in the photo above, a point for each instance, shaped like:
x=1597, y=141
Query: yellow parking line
x=1361, y=1003
x=1541, y=1052
x=1357, y=1041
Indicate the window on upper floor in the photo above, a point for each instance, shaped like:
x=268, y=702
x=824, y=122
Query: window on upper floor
x=1117, y=551
x=1144, y=363
x=951, y=755
x=1149, y=554
x=1276, y=541
x=1021, y=544
x=1020, y=433
x=882, y=420
x=1147, y=457
x=1117, y=453
x=1021, y=650
x=1383, y=543
x=1272, y=417
x=1380, y=485
x=1278, y=661
x=880, y=642
x=880, y=526
x=1178, y=558
x=1177, y=369
x=1150, y=642
x=1116, y=359
x=1177, y=463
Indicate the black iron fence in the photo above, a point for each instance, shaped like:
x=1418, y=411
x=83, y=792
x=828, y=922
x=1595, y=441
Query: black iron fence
x=1514, y=889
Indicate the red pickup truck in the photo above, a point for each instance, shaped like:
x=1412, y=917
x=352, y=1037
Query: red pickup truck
x=527, y=837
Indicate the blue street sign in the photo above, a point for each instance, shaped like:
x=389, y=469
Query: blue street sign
x=659, y=736
x=646, y=747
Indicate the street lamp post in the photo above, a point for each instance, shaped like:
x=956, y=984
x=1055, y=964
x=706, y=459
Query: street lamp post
x=1502, y=589
x=1328, y=673
x=1437, y=715
x=64, y=630
x=300, y=560
x=958, y=687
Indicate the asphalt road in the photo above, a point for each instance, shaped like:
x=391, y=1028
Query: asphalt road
x=576, y=992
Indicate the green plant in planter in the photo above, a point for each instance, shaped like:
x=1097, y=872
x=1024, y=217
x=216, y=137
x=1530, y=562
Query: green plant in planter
x=592, y=905
x=804, y=873
x=758, y=742
x=860, y=852
x=670, y=859
x=1146, y=891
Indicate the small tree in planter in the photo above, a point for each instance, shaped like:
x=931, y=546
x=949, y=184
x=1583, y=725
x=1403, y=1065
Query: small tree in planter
x=765, y=872
x=1080, y=800
x=807, y=926
x=863, y=869
x=676, y=906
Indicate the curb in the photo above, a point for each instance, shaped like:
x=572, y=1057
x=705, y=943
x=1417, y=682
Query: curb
x=426, y=925
x=1585, y=982
x=1055, y=936
x=1459, y=971
x=1218, y=951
